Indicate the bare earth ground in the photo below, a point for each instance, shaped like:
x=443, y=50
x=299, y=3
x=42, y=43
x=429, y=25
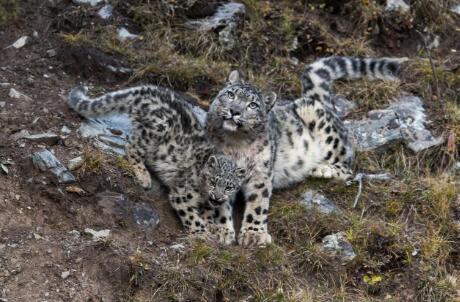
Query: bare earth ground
x=405, y=233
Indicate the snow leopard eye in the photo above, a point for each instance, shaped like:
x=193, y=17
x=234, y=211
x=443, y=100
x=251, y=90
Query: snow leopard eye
x=253, y=105
x=230, y=95
x=229, y=188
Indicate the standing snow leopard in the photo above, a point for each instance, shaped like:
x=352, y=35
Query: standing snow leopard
x=287, y=143
x=169, y=138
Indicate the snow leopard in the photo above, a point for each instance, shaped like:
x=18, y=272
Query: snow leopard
x=168, y=138
x=288, y=142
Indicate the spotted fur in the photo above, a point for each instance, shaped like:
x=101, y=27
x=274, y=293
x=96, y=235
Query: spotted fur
x=287, y=142
x=169, y=138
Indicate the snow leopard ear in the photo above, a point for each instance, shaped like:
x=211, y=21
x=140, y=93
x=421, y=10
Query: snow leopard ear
x=212, y=161
x=270, y=99
x=234, y=77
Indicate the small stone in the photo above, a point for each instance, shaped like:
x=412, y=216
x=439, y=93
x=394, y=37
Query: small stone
x=2, y=104
x=35, y=35
x=145, y=216
x=4, y=85
x=98, y=235
x=177, y=247
x=14, y=94
x=124, y=34
x=75, y=163
x=21, y=42
x=65, y=130
x=45, y=161
x=315, y=200
x=337, y=246
x=51, y=53
x=105, y=12
x=46, y=138
x=37, y=236
x=65, y=275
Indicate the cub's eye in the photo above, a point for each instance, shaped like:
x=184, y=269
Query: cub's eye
x=230, y=95
x=253, y=105
x=212, y=182
x=228, y=188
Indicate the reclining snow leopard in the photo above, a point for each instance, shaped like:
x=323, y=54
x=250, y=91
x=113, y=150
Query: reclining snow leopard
x=286, y=143
x=167, y=135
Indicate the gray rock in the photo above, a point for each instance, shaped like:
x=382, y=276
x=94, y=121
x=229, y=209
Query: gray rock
x=46, y=138
x=226, y=14
x=90, y=2
x=397, y=5
x=105, y=12
x=65, y=275
x=145, y=217
x=337, y=246
x=2, y=104
x=227, y=36
x=403, y=120
x=14, y=94
x=47, y=162
x=120, y=207
x=51, y=53
x=98, y=235
x=314, y=200
x=225, y=21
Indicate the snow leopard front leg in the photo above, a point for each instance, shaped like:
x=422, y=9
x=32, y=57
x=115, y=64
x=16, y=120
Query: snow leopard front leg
x=220, y=223
x=186, y=203
x=257, y=192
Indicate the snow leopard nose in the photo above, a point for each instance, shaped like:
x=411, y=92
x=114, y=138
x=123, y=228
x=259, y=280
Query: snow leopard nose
x=235, y=112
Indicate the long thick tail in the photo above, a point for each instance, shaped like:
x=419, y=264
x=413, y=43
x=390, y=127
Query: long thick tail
x=318, y=76
x=114, y=102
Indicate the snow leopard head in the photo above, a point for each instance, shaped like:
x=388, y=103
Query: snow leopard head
x=240, y=108
x=222, y=179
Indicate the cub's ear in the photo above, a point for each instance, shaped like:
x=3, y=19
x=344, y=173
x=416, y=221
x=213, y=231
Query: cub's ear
x=241, y=173
x=212, y=161
x=270, y=99
x=234, y=77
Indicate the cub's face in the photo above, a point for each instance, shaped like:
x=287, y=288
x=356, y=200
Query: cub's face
x=221, y=180
x=240, y=107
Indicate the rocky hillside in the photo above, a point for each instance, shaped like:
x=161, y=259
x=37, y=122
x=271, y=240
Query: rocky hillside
x=74, y=226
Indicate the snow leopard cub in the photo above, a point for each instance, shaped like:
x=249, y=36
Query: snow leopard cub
x=168, y=137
